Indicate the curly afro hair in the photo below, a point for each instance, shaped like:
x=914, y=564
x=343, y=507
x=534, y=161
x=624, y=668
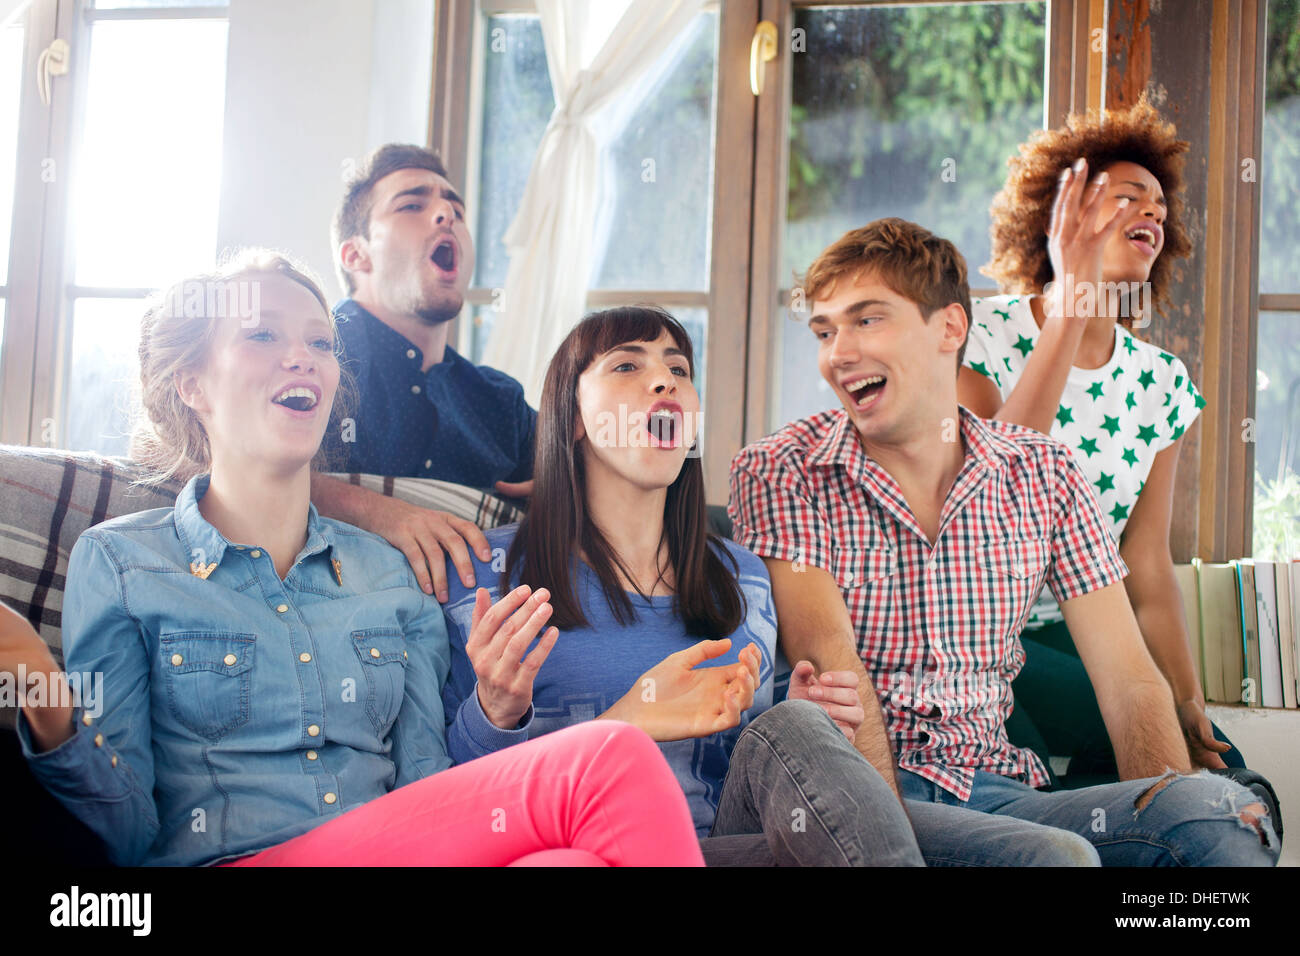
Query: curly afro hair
x=1022, y=211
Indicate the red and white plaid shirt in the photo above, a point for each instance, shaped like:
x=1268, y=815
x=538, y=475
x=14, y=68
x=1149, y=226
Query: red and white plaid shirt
x=937, y=627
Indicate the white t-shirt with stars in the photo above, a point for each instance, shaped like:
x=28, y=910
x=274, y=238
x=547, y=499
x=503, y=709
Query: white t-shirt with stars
x=1115, y=419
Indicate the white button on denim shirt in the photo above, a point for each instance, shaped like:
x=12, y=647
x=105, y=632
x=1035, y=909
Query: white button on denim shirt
x=240, y=710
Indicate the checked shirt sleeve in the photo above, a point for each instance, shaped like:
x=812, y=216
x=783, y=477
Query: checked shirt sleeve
x=772, y=510
x=1085, y=557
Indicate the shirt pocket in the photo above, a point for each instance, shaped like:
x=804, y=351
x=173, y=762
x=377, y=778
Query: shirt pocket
x=208, y=676
x=382, y=652
x=1012, y=574
x=864, y=567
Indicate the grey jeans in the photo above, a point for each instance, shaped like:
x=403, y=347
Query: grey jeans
x=798, y=793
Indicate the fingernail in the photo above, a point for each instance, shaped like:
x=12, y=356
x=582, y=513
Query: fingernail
x=1103, y=178
x=1123, y=203
x=1065, y=174
x=1079, y=164
x=442, y=595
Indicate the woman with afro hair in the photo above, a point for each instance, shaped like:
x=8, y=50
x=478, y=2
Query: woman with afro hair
x=1086, y=234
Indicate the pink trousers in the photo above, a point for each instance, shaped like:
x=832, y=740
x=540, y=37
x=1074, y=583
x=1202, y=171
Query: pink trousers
x=597, y=794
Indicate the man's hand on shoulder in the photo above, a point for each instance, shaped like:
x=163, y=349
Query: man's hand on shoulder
x=426, y=537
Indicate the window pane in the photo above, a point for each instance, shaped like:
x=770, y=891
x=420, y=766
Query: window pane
x=659, y=177
x=147, y=187
x=517, y=103
x=1277, y=437
x=11, y=67
x=659, y=174
x=901, y=111
x=103, y=377
x=1280, y=192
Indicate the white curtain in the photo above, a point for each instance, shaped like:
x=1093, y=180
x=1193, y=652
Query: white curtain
x=596, y=52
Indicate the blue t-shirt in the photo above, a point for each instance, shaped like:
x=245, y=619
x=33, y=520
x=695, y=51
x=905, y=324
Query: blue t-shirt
x=456, y=422
x=589, y=669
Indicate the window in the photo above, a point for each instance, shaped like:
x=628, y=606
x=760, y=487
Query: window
x=146, y=182
x=11, y=75
x=900, y=111
x=1277, y=397
x=653, y=241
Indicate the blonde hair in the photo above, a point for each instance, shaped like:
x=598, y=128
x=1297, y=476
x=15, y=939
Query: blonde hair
x=176, y=333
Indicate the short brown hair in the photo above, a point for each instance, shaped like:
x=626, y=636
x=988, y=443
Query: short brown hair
x=911, y=260
x=352, y=218
x=1022, y=211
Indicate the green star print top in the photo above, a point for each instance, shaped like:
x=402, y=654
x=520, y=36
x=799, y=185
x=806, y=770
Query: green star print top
x=1115, y=419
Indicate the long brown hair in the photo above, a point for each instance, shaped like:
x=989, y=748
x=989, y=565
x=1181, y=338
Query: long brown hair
x=558, y=525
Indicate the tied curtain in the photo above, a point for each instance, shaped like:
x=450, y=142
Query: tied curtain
x=597, y=53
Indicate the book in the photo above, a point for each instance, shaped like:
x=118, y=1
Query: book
x=1270, y=656
x=1185, y=575
x=1253, y=679
x=1295, y=620
x=1220, y=631
x=1286, y=631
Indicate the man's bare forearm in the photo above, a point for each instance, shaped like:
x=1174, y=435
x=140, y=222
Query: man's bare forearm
x=1147, y=737
x=341, y=500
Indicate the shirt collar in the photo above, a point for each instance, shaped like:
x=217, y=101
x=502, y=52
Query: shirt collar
x=381, y=337
x=206, y=546
x=840, y=445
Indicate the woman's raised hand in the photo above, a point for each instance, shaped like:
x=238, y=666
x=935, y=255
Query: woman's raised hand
x=499, y=634
x=677, y=698
x=1075, y=241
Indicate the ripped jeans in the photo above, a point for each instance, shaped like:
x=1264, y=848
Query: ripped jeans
x=1193, y=820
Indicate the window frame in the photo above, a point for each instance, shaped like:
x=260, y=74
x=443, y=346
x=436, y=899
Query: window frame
x=36, y=354
x=454, y=132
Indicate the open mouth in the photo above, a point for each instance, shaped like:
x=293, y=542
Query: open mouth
x=664, y=427
x=444, y=256
x=1145, y=238
x=865, y=391
x=299, y=399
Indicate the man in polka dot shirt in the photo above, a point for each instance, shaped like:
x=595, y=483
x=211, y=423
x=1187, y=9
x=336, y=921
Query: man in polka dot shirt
x=405, y=257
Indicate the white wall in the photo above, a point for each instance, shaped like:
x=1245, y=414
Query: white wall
x=312, y=85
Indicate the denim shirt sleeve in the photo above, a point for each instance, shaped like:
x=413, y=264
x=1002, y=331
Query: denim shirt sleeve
x=419, y=733
x=114, y=798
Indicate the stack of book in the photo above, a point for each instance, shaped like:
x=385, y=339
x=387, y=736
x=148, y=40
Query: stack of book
x=1244, y=619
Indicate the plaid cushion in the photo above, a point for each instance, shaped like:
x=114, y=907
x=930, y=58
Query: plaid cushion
x=48, y=498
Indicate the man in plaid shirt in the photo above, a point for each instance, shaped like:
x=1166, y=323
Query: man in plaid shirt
x=907, y=540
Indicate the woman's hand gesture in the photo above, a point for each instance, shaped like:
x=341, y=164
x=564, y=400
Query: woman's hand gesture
x=1075, y=241
x=498, y=636
x=677, y=698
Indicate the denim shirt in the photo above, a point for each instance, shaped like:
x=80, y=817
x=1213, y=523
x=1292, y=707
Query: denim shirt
x=239, y=710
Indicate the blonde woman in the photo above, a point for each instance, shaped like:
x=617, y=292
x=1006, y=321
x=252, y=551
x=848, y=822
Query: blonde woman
x=272, y=679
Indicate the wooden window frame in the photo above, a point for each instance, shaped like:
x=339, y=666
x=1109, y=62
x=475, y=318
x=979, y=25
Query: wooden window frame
x=454, y=132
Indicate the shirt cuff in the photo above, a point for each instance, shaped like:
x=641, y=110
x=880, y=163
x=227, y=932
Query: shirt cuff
x=71, y=766
x=485, y=736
